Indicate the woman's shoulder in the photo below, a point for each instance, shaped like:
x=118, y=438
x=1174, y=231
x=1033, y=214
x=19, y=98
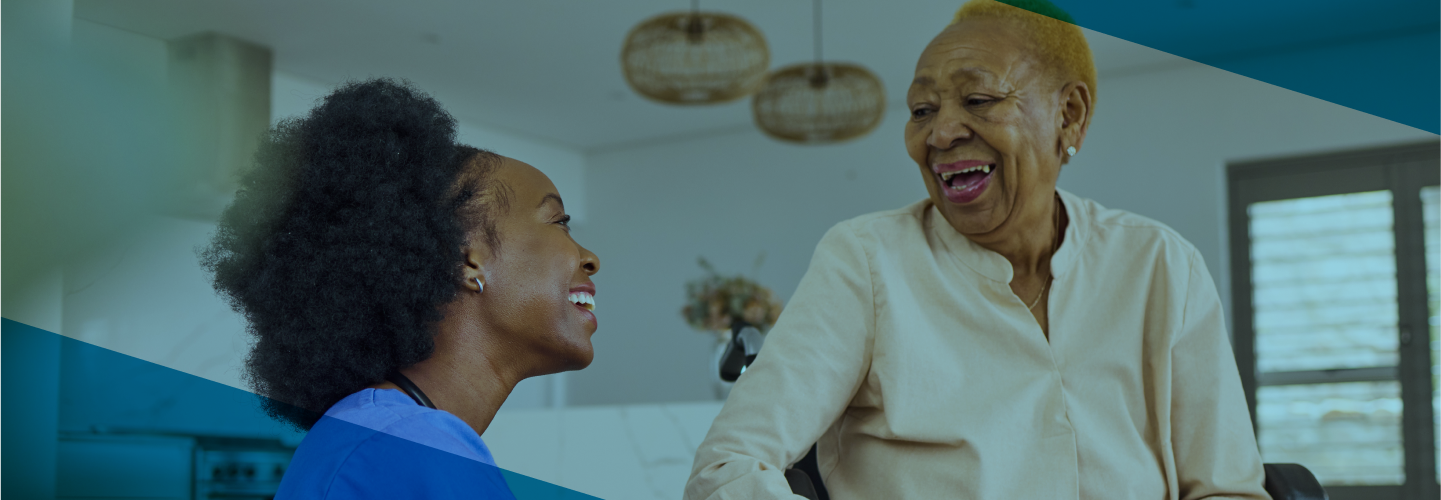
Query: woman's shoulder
x=367, y=437
x=340, y=459
x=393, y=413
x=859, y=238
x=1113, y=227
x=885, y=226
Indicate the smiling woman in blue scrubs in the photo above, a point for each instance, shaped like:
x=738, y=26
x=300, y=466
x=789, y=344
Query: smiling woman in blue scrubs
x=398, y=286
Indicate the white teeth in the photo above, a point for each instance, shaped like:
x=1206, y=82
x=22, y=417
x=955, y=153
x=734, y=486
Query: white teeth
x=985, y=169
x=583, y=299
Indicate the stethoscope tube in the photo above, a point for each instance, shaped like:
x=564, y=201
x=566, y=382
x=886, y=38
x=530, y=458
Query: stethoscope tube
x=411, y=390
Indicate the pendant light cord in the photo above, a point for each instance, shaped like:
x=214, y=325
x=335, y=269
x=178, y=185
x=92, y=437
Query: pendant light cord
x=694, y=26
x=817, y=9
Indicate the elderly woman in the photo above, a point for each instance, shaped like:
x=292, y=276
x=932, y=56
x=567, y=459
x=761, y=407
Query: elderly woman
x=402, y=285
x=1002, y=339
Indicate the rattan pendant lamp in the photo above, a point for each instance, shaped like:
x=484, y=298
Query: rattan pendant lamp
x=819, y=102
x=695, y=57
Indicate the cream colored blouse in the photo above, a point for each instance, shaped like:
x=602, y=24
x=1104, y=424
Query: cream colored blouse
x=906, y=356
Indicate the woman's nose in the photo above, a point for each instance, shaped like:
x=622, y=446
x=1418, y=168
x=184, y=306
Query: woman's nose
x=949, y=129
x=589, y=262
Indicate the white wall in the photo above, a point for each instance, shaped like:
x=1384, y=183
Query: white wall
x=1158, y=147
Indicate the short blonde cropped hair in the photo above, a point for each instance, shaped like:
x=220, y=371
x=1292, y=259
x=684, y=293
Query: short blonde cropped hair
x=1054, y=35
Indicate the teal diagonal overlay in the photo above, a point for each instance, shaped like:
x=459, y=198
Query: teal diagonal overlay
x=528, y=488
x=83, y=421
x=1381, y=57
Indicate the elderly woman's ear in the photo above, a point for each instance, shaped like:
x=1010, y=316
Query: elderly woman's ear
x=1075, y=111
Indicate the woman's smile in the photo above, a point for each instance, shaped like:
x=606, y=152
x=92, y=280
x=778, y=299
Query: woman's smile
x=982, y=102
x=583, y=298
x=963, y=181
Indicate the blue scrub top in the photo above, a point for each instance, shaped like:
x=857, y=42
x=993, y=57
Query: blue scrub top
x=381, y=444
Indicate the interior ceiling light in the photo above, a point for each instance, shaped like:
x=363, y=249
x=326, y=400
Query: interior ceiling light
x=695, y=57
x=819, y=102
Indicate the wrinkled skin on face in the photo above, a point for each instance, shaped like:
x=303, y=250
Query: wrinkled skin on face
x=982, y=97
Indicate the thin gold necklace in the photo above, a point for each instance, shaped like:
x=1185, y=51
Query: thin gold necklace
x=1039, y=295
x=1055, y=238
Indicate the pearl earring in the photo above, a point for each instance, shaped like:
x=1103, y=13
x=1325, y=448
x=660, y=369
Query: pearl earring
x=1071, y=150
x=479, y=287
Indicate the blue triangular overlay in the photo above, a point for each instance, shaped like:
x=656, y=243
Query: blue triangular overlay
x=125, y=427
x=1381, y=57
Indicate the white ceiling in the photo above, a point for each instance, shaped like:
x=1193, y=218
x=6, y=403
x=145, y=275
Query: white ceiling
x=549, y=69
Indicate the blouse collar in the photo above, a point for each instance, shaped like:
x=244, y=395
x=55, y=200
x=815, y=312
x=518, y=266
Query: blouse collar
x=991, y=264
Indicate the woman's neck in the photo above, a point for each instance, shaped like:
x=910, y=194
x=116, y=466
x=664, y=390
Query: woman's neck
x=466, y=374
x=473, y=390
x=1029, y=241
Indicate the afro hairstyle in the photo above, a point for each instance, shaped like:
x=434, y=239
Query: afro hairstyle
x=344, y=241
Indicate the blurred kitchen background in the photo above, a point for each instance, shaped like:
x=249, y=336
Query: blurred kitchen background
x=126, y=120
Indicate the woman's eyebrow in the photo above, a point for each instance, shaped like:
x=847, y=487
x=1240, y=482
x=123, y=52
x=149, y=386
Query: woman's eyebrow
x=551, y=196
x=962, y=71
x=972, y=71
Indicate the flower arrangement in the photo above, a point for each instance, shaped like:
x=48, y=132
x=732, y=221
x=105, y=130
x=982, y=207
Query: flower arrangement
x=715, y=302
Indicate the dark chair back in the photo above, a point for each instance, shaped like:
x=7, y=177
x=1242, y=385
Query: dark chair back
x=1292, y=482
